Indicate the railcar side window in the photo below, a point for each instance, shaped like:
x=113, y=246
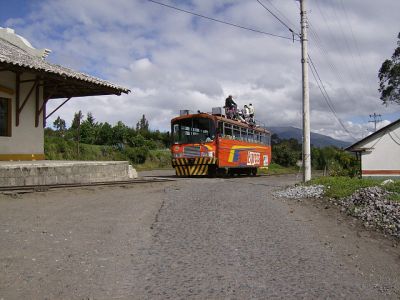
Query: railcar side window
x=251, y=135
x=236, y=132
x=244, y=134
x=5, y=117
x=228, y=130
x=260, y=137
x=221, y=128
x=268, y=139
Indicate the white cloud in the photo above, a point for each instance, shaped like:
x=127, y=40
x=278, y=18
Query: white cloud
x=174, y=61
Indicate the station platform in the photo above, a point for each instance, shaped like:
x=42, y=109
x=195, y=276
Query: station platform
x=52, y=172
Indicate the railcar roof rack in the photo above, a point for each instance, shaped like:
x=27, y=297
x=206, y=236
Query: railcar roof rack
x=220, y=111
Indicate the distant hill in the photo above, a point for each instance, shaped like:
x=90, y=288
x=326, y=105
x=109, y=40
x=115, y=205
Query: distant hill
x=317, y=140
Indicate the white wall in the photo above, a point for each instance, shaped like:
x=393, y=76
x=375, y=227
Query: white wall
x=385, y=154
x=26, y=138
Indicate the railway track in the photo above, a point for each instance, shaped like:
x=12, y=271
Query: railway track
x=43, y=188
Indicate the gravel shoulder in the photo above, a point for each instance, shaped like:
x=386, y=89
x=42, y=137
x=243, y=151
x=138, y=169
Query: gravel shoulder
x=369, y=253
x=197, y=238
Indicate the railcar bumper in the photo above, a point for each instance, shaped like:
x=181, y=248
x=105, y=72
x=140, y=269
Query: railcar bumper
x=196, y=166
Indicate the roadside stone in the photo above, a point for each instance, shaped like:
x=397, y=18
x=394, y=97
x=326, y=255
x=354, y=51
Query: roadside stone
x=301, y=191
x=371, y=205
x=374, y=209
x=387, y=181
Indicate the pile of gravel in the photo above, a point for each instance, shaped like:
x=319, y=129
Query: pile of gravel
x=374, y=209
x=368, y=204
x=302, y=191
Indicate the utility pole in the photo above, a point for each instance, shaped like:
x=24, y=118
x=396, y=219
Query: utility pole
x=306, y=95
x=377, y=119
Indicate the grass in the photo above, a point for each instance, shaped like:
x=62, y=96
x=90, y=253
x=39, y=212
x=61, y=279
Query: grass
x=339, y=187
x=57, y=148
x=395, y=188
x=275, y=169
x=157, y=159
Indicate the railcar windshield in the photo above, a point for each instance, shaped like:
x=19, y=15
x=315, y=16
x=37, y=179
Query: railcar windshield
x=193, y=130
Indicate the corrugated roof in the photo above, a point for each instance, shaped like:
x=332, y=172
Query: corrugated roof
x=11, y=54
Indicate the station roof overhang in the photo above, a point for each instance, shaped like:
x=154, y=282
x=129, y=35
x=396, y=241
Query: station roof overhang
x=56, y=86
x=57, y=81
x=17, y=56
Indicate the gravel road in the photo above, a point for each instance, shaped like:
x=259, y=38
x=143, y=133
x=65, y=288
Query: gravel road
x=197, y=238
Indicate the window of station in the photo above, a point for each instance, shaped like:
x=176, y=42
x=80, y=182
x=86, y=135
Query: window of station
x=5, y=117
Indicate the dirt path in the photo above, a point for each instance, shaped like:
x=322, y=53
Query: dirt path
x=224, y=238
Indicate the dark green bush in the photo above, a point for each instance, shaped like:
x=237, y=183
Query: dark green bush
x=136, y=155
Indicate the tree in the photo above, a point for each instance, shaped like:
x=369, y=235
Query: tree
x=389, y=77
x=76, y=129
x=59, y=125
x=90, y=119
x=88, y=132
x=76, y=122
x=275, y=139
x=143, y=125
x=89, y=129
x=105, y=136
x=120, y=133
x=286, y=153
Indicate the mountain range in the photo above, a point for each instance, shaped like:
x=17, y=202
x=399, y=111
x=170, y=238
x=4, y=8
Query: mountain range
x=317, y=140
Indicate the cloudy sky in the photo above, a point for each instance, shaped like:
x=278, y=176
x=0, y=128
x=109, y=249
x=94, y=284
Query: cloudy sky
x=173, y=60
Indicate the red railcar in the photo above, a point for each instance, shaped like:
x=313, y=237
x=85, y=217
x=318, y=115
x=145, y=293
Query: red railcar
x=207, y=144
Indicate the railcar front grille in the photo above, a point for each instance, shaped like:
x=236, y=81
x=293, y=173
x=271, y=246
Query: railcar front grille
x=191, y=151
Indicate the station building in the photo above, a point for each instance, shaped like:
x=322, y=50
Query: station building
x=27, y=83
x=380, y=152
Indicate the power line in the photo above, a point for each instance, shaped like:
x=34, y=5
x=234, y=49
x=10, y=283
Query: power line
x=220, y=21
x=276, y=17
x=324, y=53
x=282, y=14
x=334, y=39
x=360, y=73
x=341, y=50
x=376, y=119
x=358, y=52
x=326, y=96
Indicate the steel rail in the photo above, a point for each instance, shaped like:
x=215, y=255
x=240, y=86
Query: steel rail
x=46, y=187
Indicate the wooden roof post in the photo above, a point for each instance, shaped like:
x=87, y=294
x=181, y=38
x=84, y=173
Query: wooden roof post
x=17, y=93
